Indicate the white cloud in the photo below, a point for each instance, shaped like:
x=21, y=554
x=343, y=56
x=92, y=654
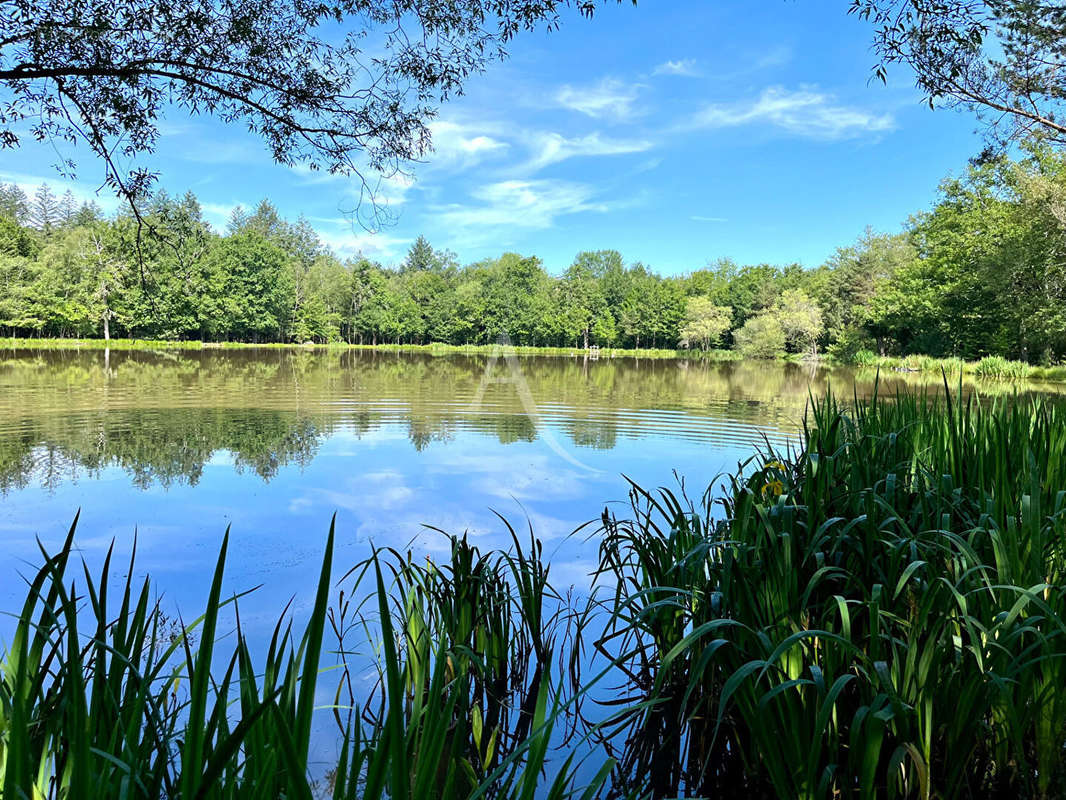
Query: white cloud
x=806, y=112
x=521, y=204
x=218, y=214
x=698, y=218
x=342, y=237
x=462, y=144
x=685, y=67
x=608, y=99
x=551, y=148
x=383, y=189
x=391, y=190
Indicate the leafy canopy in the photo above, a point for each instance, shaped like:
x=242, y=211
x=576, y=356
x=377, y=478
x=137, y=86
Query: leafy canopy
x=344, y=86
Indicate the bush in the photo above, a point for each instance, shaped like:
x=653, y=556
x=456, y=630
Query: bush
x=760, y=337
x=848, y=343
x=864, y=358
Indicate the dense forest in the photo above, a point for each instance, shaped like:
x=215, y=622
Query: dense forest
x=981, y=273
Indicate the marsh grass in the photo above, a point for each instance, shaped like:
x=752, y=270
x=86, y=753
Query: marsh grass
x=477, y=642
x=103, y=699
x=879, y=614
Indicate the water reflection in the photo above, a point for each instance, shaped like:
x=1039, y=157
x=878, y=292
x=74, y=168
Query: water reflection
x=162, y=416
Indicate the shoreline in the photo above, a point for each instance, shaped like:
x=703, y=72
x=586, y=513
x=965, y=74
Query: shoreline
x=991, y=367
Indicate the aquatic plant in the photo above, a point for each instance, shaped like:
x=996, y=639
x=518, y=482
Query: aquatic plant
x=999, y=367
x=880, y=613
x=103, y=699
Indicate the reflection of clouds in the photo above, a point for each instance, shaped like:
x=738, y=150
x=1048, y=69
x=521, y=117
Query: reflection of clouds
x=530, y=474
x=220, y=458
x=376, y=491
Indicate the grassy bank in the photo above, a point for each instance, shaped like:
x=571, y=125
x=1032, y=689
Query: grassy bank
x=878, y=612
x=988, y=367
x=431, y=349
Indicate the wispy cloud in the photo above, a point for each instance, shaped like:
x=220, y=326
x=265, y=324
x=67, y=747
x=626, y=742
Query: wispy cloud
x=685, y=68
x=698, y=218
x=218, y=214
x=520, y=204
x=341, y=235
x=608, y=99
x=805, y=112
x=463, y=144
x=551, y=148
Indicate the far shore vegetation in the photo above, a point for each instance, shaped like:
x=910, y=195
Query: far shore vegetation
x=995, y=367
x=977, y=278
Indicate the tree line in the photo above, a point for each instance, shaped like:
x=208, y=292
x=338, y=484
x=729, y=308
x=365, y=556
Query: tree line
x=981, y=273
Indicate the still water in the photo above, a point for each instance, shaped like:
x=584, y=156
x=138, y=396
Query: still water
x=174, y=446
x=169, y=448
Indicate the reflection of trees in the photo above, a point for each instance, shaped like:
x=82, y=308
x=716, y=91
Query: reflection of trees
x=161, y=416
x=153, y=447
x=593, y=433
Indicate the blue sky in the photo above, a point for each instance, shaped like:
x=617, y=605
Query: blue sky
x=676, y=132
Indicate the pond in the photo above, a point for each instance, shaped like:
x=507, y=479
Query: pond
x=168, y=448
x=176, y=445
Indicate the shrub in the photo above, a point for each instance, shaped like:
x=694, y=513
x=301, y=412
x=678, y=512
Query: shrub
x=760, y=337
x=848, y=343
x=864, y=358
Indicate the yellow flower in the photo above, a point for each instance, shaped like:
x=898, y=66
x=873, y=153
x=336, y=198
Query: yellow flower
x=774, y=487
x=775, y=465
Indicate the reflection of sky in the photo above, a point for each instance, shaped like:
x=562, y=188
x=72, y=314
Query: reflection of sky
x=383, y=491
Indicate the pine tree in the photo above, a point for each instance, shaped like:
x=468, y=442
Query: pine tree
x=13, y=203
x=420, y=257
x=87, y=214
x=266, y=220
x=44, y=212
x=238, y=218
x=68, y=207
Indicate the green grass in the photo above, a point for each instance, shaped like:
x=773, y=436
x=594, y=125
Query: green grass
x=992, y=367
x=880, y=614
x=100, y=698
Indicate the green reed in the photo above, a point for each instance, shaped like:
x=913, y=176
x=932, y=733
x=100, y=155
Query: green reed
x=881, y=613
x=106, y=699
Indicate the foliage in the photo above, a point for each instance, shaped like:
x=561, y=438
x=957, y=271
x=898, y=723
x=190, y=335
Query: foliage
x=761, y=337
x=704, y=323
x=800, y=318
x=879, y=613
x=982, y=273
x=999, y=58
x=322, y=99
x=132, y=706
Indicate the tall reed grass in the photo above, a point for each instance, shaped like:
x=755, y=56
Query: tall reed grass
x=881, y=613
x=102, y=699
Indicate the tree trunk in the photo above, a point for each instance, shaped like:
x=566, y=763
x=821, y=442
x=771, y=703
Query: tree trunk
x=107, y=326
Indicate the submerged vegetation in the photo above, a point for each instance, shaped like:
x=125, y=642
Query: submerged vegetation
x=978, y=275
x=877, y=611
